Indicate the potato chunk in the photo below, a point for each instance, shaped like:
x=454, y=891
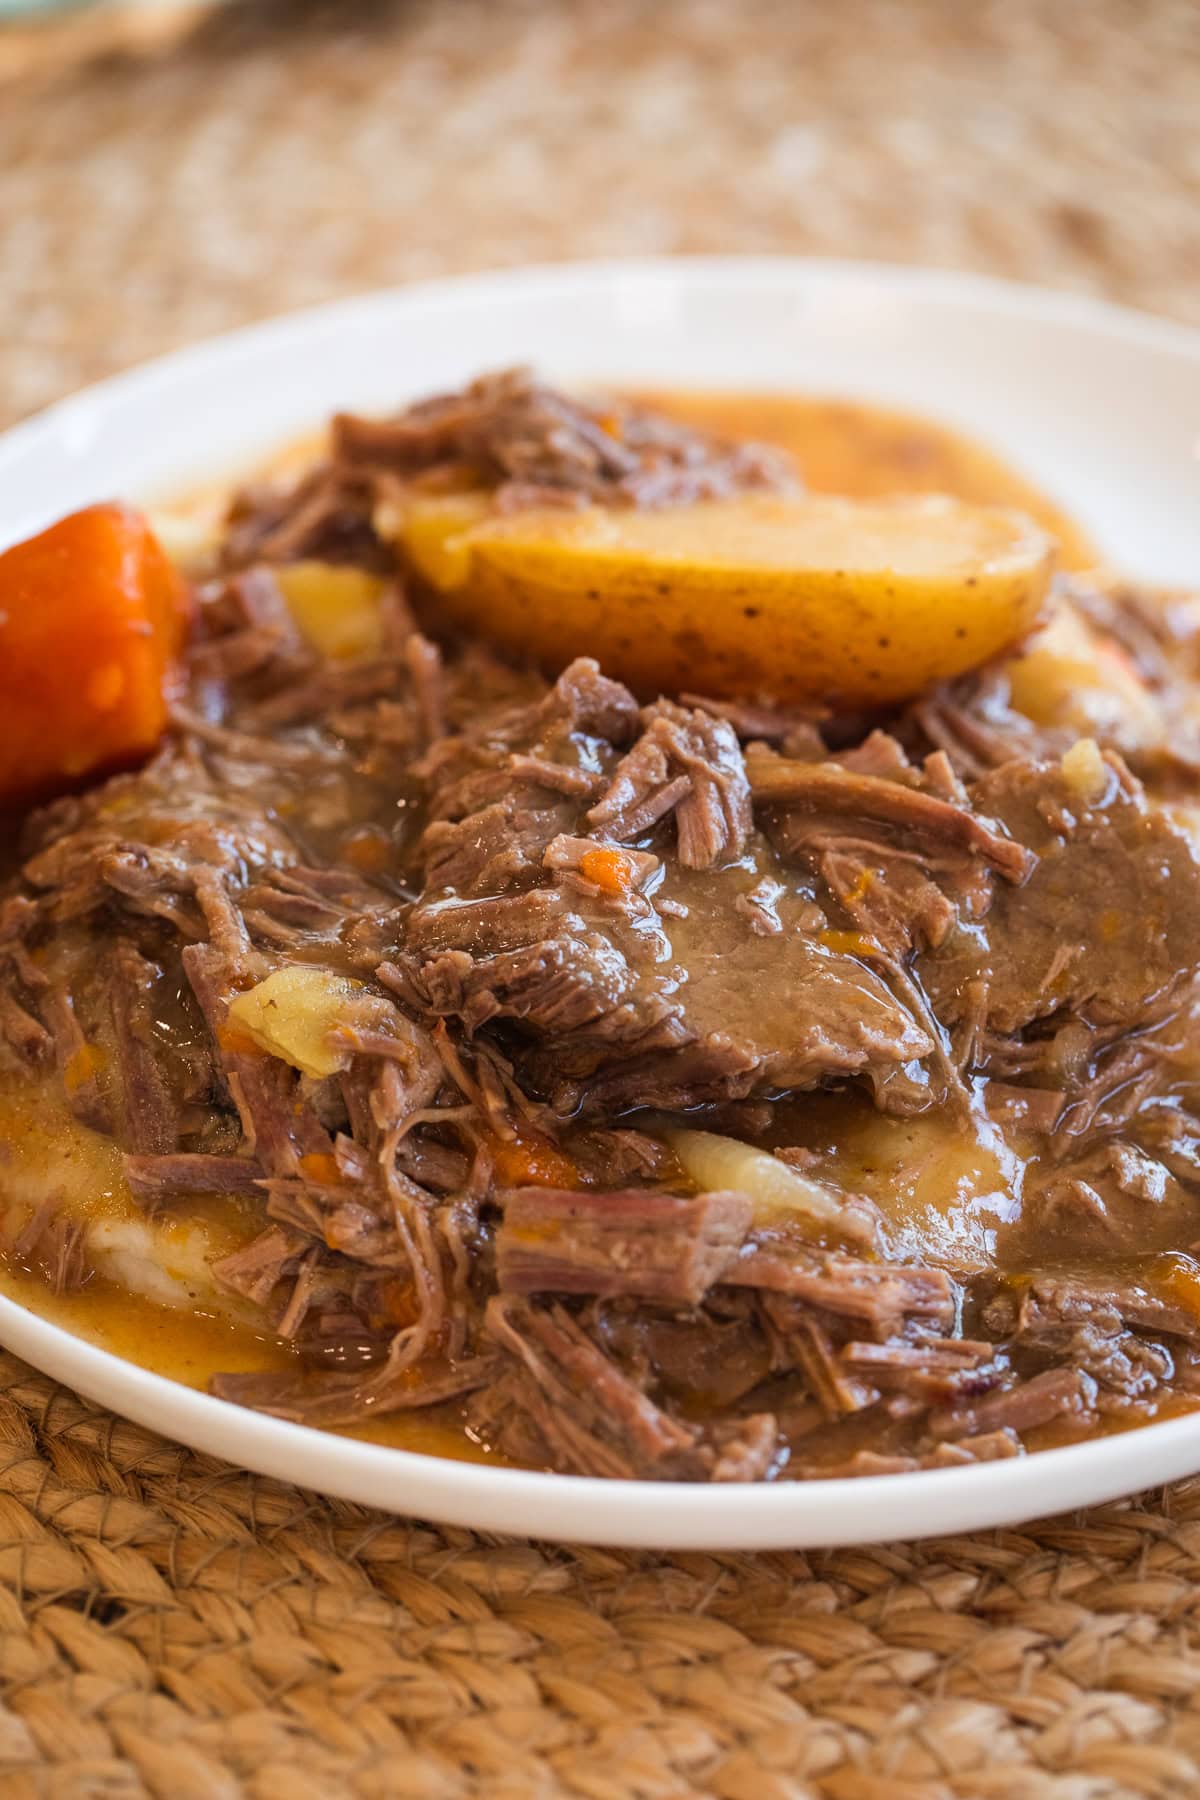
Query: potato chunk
x=434, y=530
x=306, y=1017
x=1072, y=676
x=335, y=606
x=862, y=603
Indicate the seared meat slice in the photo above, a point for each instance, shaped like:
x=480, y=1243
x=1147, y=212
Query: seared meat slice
x=1107, y=922
x=607, y=985
x=606, y=1003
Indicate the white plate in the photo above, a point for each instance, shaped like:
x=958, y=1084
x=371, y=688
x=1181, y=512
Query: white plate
x=1102, y=407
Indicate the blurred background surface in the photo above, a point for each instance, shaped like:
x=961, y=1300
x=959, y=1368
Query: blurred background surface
x=169, y=171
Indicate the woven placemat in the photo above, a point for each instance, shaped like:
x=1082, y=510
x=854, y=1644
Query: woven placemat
x=173, y=1627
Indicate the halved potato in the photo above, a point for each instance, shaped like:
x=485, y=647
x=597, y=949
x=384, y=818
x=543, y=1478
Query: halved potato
x=862, y=603
x=434, y=530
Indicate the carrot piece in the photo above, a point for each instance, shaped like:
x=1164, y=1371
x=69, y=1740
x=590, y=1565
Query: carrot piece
x=1177, y=1275
x=320, y=1167
x=82, y=1066
x=609, y=870
x=92, y=620
x=531, y=1160
x=847, y=943
x=367, y=849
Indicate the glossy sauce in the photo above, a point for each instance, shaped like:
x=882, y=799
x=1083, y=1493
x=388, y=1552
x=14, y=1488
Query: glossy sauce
x=946, y=1194
x=869, y=452
x=950, y=1191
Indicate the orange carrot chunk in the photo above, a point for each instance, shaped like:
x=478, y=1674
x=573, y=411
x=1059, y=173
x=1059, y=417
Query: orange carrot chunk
x=92, y=621
x=320, y=1167
x=608, y=869
x=531, y=1160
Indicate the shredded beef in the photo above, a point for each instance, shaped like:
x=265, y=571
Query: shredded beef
x=590, y=1418
x=880, y=1296
x=934, y=1369
x=905, y=810
x=1055, y=1394
x=688, y=764
x=349, y=1399
x=591, y=979
x=647, y=1245
x=20, y=981
x=541, y=447
x=155, y=1180
x=1050, y=1302
x=52, y=1244
x=532, y=445
x=149, y=1111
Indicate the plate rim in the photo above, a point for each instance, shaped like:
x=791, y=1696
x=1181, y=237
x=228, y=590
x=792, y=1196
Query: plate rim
x=627, y=1513
x=1022, y=299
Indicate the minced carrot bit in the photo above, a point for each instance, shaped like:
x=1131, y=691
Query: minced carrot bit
x=531, y=1160
x=367, y=849
x=237, y=1043
x=81, y=1066
x=396, y=1305
x=609, y=870
x=863, y=885
x=847, y=943
x=319, y=1165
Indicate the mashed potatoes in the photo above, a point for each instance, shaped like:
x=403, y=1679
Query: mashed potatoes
x=52, y=1168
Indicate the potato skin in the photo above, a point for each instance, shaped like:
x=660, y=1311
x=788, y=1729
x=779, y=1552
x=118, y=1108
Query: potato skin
x=663, y=619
